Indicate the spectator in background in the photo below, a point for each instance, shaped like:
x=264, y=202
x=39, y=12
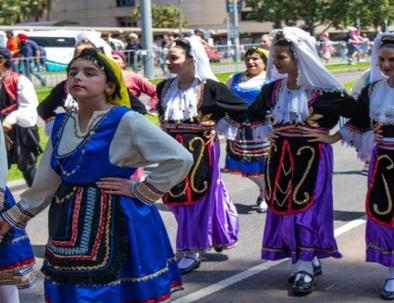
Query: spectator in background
x=136, y=83
x=106, y=36
x=13, y=45
x=365, y=46
x=165, y=43
x=265, y=41
x=30, y=52
x=132, y=48
x=355, y=41
x=18, y=113
x=326, y=47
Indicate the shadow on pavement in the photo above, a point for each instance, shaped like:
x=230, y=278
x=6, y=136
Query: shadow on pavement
x=39, y=251
x=349, y=172
x=341, y=215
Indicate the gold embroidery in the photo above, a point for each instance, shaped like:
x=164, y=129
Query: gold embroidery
x=312, y=119
x=386, y=188
x=197, y=164
x=66, y=197
x=274, y=148
x=308, y=168
x=286, y=173
x=206, y=119
x=147, y=193
x=17, y=216
x=107, y=237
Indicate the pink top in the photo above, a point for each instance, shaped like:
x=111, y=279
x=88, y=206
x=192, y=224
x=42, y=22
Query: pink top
x=138, y=85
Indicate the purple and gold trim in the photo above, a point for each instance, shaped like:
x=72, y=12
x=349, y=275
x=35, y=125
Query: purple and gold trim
x=146, y=192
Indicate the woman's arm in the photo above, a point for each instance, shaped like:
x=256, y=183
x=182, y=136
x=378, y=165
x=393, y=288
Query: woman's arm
x=38, y=196
x=138, y=142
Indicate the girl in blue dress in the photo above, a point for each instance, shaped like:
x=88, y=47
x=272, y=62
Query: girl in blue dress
x=107, y=242
x=16, y=254
x=245, y=155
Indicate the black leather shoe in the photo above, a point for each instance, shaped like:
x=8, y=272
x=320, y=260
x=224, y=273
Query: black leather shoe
x=196, y=264
x=317, y=271
x=218, y=249
x=387, y=295
x=300, y=286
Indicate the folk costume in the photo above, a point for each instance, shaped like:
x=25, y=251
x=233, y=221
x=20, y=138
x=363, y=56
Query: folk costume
x=205, y=214
x=16, y=253
x=18, y=103
x=377, y=100
x=299, y=222
x=103, y=247
x=246, y=156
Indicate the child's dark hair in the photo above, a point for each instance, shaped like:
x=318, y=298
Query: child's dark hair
x=7, y=64
x=387, y=41
x=281, y=41
x=184, y=44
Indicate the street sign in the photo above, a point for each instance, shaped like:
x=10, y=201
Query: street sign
x=230, y=5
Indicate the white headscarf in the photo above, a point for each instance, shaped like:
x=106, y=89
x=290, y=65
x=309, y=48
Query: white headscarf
x=202, y=68
x=312, y=73
x=96, y=40
x=376, y=73
x=381, y=106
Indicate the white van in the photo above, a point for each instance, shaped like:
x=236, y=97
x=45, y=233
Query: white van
x=3, y=39
x=58, y=45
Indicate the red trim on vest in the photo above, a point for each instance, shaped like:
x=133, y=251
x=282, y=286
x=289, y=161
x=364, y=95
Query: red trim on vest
x=10, y=84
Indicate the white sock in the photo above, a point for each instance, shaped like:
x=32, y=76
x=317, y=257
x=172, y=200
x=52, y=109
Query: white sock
x=9, y=294
x=188, y=259
x=305, y=266
x=316, y=261
x=389, y=286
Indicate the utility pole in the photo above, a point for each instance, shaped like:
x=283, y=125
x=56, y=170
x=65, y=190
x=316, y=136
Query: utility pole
x=147, y=37
x=236, y=31
x=180, y=17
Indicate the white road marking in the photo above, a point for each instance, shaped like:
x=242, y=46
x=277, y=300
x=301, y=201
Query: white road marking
x=253, y=270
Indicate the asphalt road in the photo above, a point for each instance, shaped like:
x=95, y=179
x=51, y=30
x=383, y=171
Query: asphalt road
x=239, y=275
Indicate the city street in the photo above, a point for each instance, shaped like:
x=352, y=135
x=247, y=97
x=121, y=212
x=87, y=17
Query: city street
x=238, y=275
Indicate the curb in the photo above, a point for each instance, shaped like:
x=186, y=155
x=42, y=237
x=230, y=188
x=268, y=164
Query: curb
x=349, y=70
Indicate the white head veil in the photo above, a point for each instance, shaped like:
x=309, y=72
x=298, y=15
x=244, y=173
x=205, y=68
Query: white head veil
x=312, y=73
x=96, y=40
x=376, y=73
x=202, y=69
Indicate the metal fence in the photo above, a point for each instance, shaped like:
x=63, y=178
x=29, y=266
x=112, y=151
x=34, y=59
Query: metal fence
x=222, y=59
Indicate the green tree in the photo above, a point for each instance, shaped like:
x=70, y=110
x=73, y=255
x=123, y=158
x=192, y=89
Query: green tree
x=14, y=11
x=167, y=16
x=371, y=13
x=314, y=13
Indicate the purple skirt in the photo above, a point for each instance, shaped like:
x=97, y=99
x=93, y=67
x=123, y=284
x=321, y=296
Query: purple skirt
x=210, y=222
x=307, y=234
x=379, y=238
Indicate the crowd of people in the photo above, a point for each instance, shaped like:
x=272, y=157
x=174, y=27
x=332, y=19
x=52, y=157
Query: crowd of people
x=107, y=241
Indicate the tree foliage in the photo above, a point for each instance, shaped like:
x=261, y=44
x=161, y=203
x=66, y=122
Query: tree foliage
x=167, y=16
x=313, y=13
x=14, y=11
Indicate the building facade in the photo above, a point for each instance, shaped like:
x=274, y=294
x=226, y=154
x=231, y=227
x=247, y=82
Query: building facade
x=208, y=14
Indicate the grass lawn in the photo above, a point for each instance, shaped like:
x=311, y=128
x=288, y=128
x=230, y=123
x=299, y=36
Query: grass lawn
x=42, y=92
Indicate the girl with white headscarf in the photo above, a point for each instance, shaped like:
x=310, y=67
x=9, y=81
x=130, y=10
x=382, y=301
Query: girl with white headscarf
x=296, y=112
x=374, y=131
x=193, y=106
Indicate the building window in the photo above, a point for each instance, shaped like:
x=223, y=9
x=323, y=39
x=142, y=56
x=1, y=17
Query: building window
x=125, y=2
x=247, y=16
x=126, y=22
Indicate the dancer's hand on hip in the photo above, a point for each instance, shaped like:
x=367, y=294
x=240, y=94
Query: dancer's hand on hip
x=116, y=186
x=5, y=227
